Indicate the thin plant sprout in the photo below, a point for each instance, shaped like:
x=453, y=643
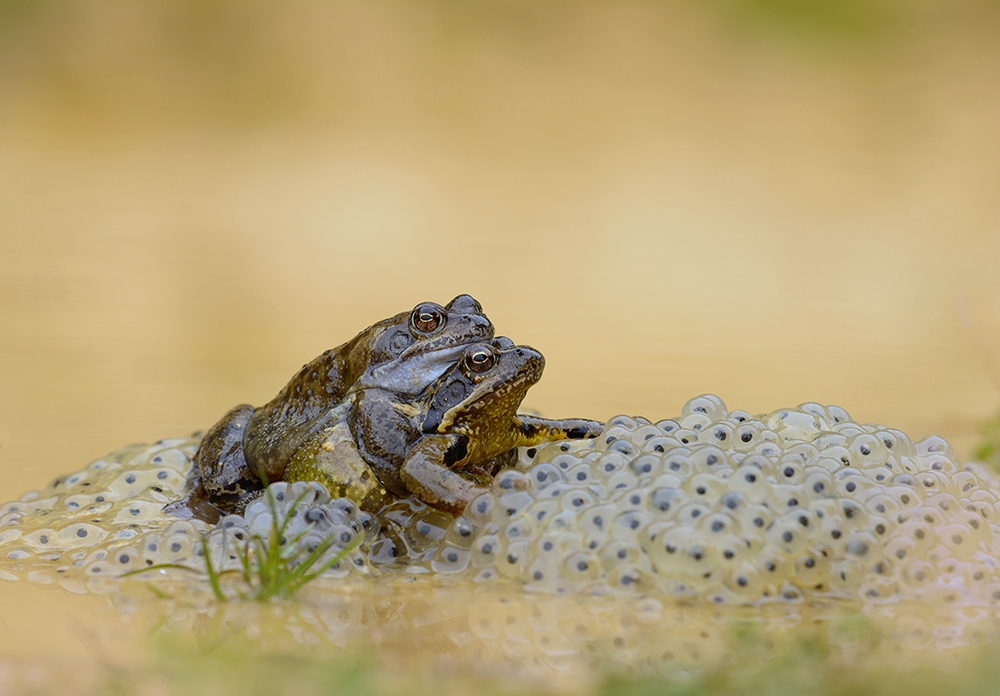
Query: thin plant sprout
x=271, y=567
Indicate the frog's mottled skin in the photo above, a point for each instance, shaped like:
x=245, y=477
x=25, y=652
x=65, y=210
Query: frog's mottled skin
x=443, y=450
x=403, y=355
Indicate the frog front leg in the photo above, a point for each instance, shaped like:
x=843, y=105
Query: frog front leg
x=427, y=473
x=535, y=431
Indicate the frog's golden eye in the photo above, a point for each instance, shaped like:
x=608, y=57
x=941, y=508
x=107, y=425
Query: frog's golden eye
x=427, y=319
x=480, y=360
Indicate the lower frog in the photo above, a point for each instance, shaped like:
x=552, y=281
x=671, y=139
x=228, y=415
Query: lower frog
x=444, y=449
x=403, y=354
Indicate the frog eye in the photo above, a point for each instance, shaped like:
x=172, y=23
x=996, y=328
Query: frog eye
x=427, y=318
x=480, y=360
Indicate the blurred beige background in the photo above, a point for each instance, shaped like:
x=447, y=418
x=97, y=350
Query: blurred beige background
x=773, y=201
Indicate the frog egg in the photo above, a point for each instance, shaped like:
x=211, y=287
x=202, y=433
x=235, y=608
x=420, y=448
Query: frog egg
x=933, y=482
x=563, y=520
x=788, y=536
x=666, y=500
x=450, y=559
x=918, y=574
x=794, y=424
x=846, y=576
x=645, y=433
x=934, y=445
x=868, y=451
x=660, y=445
x=746, y=437
x=840, y=454
x=514, y=503
x=854, y=514
x=667, y=426
x=541, y=476
x=542, y=574
x=767, y=448
x=896, y=442
x=718, y=524
x=622, y=482
x=576, y=500
x=686, y=436
x=509, y=480
x=900, y=549
x=818, y=482
x=627, y=524
x=610, y=435
x=580, y=475
x=744, y=581
x=566, y=461
x=750, y=482
x=620, y=551
x=691, y=513
x=772, y=569
x=631, y=578
x=853, y=485
x=705, y=488
x=787, y=471
x=959, y=539
x=680, y=552
x=782, y=497
x=646, y=465
x=479, y=512
x=838, y=415
x=80, y=534
x=706, y=404
x=597, y=520
x=678, y=464
x=812, y=569
x=386, y=550
x=459, y=534
x=126, y=559
x=708, y=458
x=176, y=548
x=879, y=588
x=966, y=482
x=626, y=448
x=580, y=567
x=513, y=559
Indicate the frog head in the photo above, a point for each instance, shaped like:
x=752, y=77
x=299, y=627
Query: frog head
x=411, y=350
x=480, y=395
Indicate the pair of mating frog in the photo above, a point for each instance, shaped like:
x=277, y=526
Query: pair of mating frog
x=423, y=403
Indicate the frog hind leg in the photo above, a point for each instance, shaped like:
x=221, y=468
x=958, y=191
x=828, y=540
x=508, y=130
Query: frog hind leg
x=225, y=475
x=535, y=431
x=427, y=473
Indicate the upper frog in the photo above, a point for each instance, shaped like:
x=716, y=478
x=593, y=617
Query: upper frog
x=403, y=354
x=443, y=449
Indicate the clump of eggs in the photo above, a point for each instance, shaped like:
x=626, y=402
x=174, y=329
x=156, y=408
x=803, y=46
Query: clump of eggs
x=715, y=505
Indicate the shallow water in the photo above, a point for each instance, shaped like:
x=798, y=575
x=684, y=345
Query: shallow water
x=664, y=199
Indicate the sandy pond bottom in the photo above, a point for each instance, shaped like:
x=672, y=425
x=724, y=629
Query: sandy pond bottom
x=719, y=552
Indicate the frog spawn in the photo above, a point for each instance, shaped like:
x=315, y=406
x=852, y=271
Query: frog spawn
x=726, y=507
x=715, y=504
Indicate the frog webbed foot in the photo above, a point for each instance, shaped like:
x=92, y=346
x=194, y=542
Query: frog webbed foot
x=427, y=473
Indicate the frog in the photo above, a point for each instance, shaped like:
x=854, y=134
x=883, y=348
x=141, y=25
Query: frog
x=444, y=449
x=250, y=446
